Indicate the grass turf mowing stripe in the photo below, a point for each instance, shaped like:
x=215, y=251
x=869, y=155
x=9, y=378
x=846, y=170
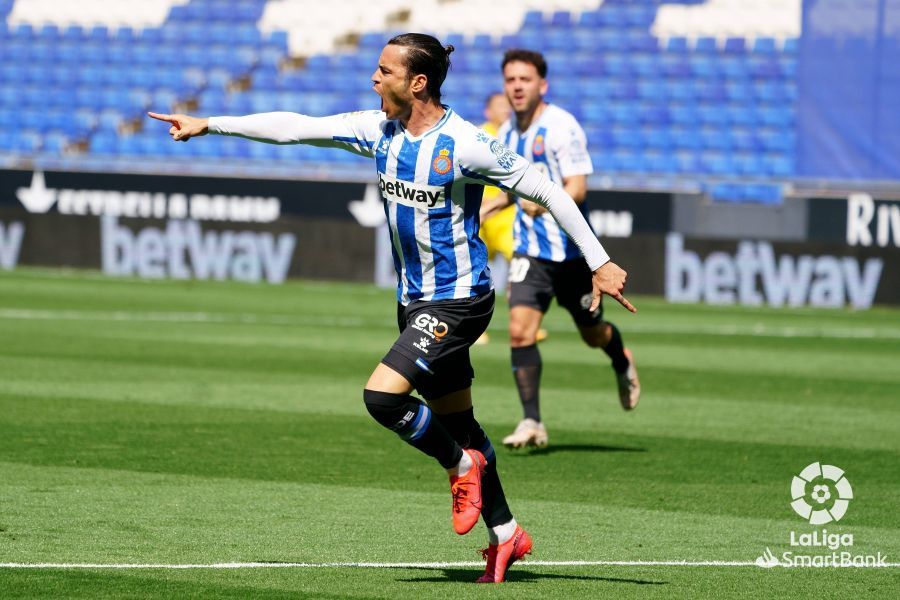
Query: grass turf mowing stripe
x=420, y=565
x=751, y=329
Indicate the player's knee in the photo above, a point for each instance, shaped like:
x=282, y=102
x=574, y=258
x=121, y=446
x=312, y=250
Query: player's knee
x=521, y=334
x=400, y=413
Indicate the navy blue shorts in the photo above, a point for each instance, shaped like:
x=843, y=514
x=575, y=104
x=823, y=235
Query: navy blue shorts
x=432, y=352
x=534, y=282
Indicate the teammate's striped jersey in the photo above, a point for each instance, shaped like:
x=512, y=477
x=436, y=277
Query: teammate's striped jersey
x=556, y=144
x=431, y=185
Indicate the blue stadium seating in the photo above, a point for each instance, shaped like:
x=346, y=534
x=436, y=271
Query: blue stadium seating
x=700, y=108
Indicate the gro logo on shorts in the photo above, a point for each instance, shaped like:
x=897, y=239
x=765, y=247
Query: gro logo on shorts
x=821, y=494
x=430, y=325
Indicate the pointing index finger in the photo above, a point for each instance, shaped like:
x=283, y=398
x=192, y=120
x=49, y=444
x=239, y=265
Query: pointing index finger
x=167, y=118
x=624, y=302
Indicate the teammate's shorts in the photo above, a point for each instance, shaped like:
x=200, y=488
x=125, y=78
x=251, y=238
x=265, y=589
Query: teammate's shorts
x=432, y=351
x=497, y=233
x=534, y=282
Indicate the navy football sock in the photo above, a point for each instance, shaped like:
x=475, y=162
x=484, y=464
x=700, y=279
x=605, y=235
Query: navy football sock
x=413, y=421
x=526, y=368
x=469, y=434
x=616, y=350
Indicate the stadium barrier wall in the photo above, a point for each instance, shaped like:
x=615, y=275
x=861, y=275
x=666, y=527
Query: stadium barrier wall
x=270, y=230
x=856, y=220
x=183, y=227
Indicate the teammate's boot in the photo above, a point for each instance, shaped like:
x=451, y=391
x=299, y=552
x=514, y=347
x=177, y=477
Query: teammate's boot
x=483, y=340
x=500, y=557
x=528, y=433
x=629, y=384
x=466, y=492
x=541, y=335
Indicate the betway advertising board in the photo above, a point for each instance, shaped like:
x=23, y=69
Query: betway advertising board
x=270, y=230
x=756, y=273
x=183, y=227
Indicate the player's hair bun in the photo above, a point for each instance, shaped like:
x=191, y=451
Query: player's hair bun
x=449, y=49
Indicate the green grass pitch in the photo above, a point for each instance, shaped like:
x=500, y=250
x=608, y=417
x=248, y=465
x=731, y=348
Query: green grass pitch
x=167, y=423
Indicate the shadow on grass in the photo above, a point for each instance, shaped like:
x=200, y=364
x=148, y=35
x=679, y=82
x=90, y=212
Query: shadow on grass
x=553, y=448
x=469, y=576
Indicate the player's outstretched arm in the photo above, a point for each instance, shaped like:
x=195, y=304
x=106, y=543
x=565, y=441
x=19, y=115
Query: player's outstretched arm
x=184, y=127
x=355, y=132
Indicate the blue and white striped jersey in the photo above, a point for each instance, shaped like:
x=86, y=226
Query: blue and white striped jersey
x=556, y=144
x=431, y=185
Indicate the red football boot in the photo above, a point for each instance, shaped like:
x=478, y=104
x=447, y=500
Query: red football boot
x=501, y=557
x=466, y=491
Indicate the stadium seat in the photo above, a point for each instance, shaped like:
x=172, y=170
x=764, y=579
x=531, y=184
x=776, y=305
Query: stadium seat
x=725, y=192
x=657, y=139
x=561, y=18
x=778, y=165
x=661, y=163
x=706, y=45
x=735, y=45
x=687, y=163
x=750, y=165
x=589, y=19
x=677, y=45
x=764, y=46
x=686, y=139
x=715, y=139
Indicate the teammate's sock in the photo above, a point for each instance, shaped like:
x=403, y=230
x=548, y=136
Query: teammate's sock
x=469, y=434
x=412, y=420
x=526, y=368
x=616, y=350
x=499, y=534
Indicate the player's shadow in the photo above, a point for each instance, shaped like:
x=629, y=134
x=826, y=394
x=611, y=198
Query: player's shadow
x=468, y=576
x=553, y=448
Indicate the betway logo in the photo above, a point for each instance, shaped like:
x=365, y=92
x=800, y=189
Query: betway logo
x=10, y=244
x=416, y=195
x=754, y=276
x=861, y=212
x=38, y=198
x=182, y=251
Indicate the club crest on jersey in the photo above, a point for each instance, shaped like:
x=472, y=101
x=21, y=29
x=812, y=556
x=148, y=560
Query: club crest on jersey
x=538, y=147
x=416, y=195
x=442, y=163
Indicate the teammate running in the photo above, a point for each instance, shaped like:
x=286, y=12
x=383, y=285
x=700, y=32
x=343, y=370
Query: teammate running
x=432, y=166
x=547, y=262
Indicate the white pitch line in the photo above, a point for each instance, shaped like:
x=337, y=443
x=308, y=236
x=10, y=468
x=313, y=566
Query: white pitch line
x=406, y=565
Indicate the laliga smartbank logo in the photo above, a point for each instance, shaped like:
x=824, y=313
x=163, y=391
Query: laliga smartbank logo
x=820, y=494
